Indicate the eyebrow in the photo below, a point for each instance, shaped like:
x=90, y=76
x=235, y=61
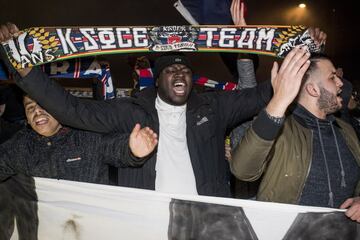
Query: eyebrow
x=28, y=103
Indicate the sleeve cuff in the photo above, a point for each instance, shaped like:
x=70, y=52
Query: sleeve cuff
x=265, y=127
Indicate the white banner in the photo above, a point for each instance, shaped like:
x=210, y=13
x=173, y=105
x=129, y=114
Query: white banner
x=81, y=211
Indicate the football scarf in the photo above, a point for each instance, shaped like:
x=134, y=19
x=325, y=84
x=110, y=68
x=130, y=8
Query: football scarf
x=40, y=45
x=78, y=69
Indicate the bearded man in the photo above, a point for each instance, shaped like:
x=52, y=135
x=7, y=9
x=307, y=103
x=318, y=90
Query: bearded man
x=311, y=158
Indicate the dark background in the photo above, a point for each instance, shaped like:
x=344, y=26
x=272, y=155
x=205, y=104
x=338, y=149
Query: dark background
x=339, y=19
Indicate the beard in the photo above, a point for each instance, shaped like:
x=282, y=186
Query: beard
x=328, y=101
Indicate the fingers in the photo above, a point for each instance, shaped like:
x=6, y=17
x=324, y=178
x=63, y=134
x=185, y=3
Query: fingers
x=237, y=13
x=303, y=69
x=242, y=13
x=5, y=34
x=274, y=70
x=232, y=6
x=322, y=38
x=150, y=136
x=233, y=11
x=353, y=205
x=298, y=57
x=298, y=60
x=289, y=57
x=142, y=141
x=13, y=29
x=347, y=203
x=7, y=31
x=314, y=34
x=354, y=213
x=318, y=36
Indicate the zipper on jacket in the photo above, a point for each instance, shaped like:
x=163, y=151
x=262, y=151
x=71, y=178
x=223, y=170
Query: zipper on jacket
x=308, y=171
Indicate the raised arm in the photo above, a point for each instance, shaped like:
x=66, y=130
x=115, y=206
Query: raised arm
x=251, y=155
x=100, y=116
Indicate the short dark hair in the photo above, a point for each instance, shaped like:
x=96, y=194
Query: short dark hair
x=314, y=59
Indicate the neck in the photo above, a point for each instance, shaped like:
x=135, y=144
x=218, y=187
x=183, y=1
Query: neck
x=56, y=131
x=312, y=107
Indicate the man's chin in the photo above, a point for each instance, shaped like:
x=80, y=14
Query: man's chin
x=179, y=99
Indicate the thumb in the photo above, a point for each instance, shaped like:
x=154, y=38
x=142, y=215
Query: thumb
x=135, y=130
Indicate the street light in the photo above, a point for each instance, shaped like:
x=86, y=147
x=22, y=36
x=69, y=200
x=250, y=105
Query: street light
x=298, y=14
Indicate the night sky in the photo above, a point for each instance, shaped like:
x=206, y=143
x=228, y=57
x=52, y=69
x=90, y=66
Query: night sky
x=337, y=18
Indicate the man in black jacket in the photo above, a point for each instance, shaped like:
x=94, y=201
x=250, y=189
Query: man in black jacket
x=192, y=127
x=50, y=150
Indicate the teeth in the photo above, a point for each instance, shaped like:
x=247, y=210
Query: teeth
x=179, y=84
x=40, y=120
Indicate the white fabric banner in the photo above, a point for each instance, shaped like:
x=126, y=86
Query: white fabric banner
x=74, y=211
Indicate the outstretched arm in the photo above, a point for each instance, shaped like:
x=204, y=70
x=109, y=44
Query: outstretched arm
x=124, y=150
x=99, y=116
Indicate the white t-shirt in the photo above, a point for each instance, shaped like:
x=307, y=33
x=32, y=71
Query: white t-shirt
x=174, y=172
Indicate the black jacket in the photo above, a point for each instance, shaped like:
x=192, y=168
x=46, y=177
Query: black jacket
x=70, y=154
x=209, y=117
x=7, y=129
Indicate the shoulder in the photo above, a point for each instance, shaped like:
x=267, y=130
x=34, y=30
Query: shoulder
x=346, y=127
x=19, y=138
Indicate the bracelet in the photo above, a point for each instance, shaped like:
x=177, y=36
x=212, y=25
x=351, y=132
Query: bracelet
x=276, y=120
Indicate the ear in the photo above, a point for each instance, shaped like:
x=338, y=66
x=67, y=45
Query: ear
x=312, y=89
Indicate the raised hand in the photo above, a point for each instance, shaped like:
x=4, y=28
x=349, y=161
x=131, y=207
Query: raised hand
x=7, y=32
x=318, y=36
x=286, y=81
x=237, y=10
x=142, y=141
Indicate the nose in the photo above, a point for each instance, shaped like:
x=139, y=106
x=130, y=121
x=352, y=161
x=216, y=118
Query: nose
x=339, y=82
x=179, y=72
x=38, y=109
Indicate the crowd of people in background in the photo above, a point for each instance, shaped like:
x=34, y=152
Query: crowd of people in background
x=296, y=134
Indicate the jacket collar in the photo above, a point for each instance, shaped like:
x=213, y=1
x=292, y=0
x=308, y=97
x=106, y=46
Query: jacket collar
x=308, y=120
x=64, y=131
